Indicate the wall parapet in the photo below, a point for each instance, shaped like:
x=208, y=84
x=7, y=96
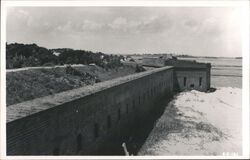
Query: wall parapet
x=27, y=108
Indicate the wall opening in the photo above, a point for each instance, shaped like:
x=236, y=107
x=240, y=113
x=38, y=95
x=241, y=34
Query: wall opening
x=185, y=81
x=200, y=81
x=109, y=121
x=191, y=86
x=127, y=108
x=96, y=130
x=79, y=142
x=56, y=151
x=133, y=104
x=119, y=113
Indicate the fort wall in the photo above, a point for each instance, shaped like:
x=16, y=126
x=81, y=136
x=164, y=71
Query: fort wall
x=192, y=78
x=80, y=121
x=190, y=75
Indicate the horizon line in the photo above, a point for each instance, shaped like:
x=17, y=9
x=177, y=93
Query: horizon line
x=122, y=53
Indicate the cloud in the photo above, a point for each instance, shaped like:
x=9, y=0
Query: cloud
x=156, y=24
x=22, y=13
x=153, y=24
x=190, y=23
x=119, y=23
x=212, y=26
x=67, y=27
x=129, y=29
x=88, y=25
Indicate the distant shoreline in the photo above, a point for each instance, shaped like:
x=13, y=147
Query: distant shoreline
x=179, y=56
x=186, y=56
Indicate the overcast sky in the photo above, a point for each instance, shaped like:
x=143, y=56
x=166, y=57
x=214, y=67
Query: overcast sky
x=182, y=30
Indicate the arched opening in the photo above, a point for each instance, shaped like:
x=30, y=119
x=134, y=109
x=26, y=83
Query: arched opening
x=79, y=142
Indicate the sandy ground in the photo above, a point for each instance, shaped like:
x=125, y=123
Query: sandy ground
x=197, y=123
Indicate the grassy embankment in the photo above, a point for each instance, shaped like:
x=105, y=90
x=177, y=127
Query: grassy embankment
x=29, y=84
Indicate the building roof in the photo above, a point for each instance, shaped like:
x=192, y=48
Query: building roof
x=187, y=64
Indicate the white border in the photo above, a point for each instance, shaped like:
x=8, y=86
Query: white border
x=245, y=86
x=147, y=3
x=3, y=84
x=169, y=3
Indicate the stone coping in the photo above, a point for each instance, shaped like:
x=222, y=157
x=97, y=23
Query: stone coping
x=24, y=109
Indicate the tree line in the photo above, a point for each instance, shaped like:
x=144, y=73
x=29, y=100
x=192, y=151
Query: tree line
x=30, y=55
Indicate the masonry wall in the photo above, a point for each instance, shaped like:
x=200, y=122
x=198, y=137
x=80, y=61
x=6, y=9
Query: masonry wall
x=90, y=123
x=187, y=79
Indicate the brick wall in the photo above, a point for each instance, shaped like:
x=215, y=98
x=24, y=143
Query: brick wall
x=89, y=122
x=187, y=79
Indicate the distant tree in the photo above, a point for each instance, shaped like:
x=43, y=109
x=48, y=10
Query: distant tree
x=139, y=69
x=132, y=60
x=23, y=55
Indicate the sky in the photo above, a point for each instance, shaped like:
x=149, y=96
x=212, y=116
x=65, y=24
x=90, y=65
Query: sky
x=198, y=31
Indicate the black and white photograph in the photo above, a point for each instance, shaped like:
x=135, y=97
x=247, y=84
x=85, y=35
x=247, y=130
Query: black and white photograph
x=135, y=80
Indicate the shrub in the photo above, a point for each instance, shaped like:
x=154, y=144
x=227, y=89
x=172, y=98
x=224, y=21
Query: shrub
x=139, y=69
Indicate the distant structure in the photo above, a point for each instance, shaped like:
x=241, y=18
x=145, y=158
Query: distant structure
x=88, y=120
x=188, y=74
x=153, y=62
x=157, y=61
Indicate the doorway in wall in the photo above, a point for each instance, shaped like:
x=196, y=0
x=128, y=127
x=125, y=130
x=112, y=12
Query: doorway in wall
x=56, y=151
x=79, y=142
x=185, y=81
x=192, y=86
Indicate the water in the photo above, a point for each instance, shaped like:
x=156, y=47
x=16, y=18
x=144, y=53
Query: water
x=225, y=72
